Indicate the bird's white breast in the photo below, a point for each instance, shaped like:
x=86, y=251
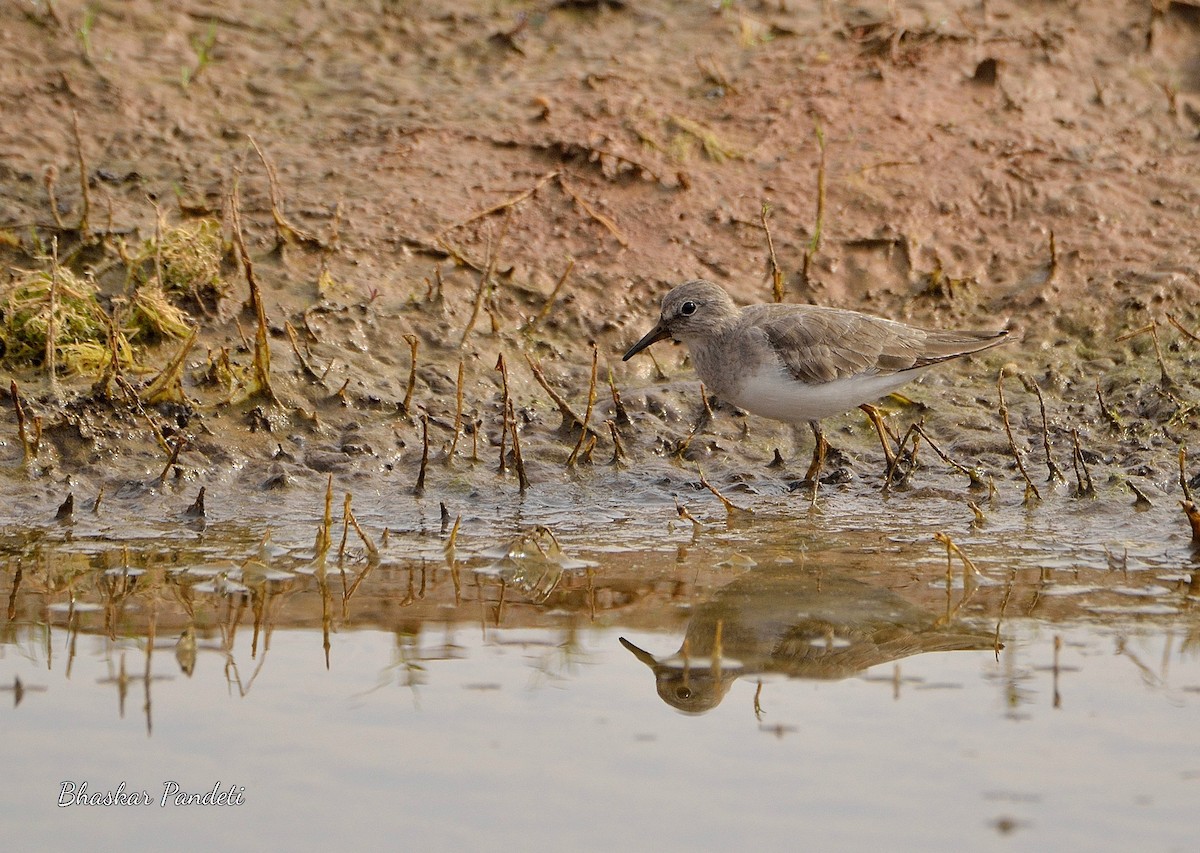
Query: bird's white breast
x=772, y=392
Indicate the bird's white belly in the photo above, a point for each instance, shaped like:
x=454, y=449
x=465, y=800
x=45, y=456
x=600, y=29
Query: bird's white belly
x=773, y=393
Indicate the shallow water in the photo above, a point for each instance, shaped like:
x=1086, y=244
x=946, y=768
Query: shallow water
x=839, y=686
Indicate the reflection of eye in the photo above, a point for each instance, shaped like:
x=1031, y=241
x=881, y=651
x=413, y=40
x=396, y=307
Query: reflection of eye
x=683, y=692
x=687, y=309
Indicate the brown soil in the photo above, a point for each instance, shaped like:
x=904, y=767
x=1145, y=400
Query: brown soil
x=1030, y=164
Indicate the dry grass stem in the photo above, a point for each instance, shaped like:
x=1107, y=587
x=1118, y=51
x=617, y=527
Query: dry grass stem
x=682, y=512
x=585, y=429
x=168, y=385
x=85, y=197
x=29, y=449
x=1055, y=473
x=1106, y=411
x=180, y=443
x=1188, y=334
x=518, y=459
x=406, y=405
x=814, y=244
x=570, y=419
x=485, y=277
x=618, y=450
x=1183, y=482
x=553, y=297
x=620, y=415
x=285, y=232
x=502, y=366
x=593, y=213
x=730, y=507
x=308, y=369
x=458, y=411
x=419, y=488
x=776, y=272
x=1031, y=491
x=1083, y=478
x=508, y=204
x=1152, y=328
x=975, y=474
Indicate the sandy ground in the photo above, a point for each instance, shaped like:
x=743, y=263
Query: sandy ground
x=1031, y=165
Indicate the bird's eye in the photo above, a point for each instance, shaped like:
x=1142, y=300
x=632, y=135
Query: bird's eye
x=683, y=692
x=687, y=309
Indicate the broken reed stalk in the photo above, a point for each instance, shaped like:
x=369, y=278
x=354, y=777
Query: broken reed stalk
x=509, y=416
x=168, y=385
x=303, y=362
x=815, y=243
x=1083, y=478
x=180, y=443
x=1032, y=387
x=1152, y=327
x=406, y=406
x=137, y=406
x=974, y=474
x=590, y=211
x=620, y=415
x=508, y=204
x=682, y=512
x=503, y=368
x=889, y=476
x=1175, y=322
x=517, y=457
x=485, y=278
x=1107, y=412
x=29, y=449
x=553, y=297
x=50, y=178
x=1189, y=506
x=284, y=230
x=262, y=347
x=618, y=450
x=51, y=355
x=587, y=414
x=776, y=272
x=458, y=410
x=570, y=419
x=1031, y=491
x=419, y=488
x=730, y=507
x=86, y=200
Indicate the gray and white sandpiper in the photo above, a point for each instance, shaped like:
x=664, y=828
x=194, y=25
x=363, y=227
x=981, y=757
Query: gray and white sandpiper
x=801, y=363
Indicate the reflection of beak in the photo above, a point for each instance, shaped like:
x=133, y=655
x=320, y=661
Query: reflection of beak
x=656, y=334
x=644, y=656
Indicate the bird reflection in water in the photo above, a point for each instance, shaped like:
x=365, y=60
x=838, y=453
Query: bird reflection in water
x=800, y=623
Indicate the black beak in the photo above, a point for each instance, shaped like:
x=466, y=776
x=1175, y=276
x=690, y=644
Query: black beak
x=656, y=334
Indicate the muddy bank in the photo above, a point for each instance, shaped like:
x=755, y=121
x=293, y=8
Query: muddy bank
x=510, y=182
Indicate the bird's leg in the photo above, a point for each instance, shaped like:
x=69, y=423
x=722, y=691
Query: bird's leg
x=884, y=433
x=820, y=448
